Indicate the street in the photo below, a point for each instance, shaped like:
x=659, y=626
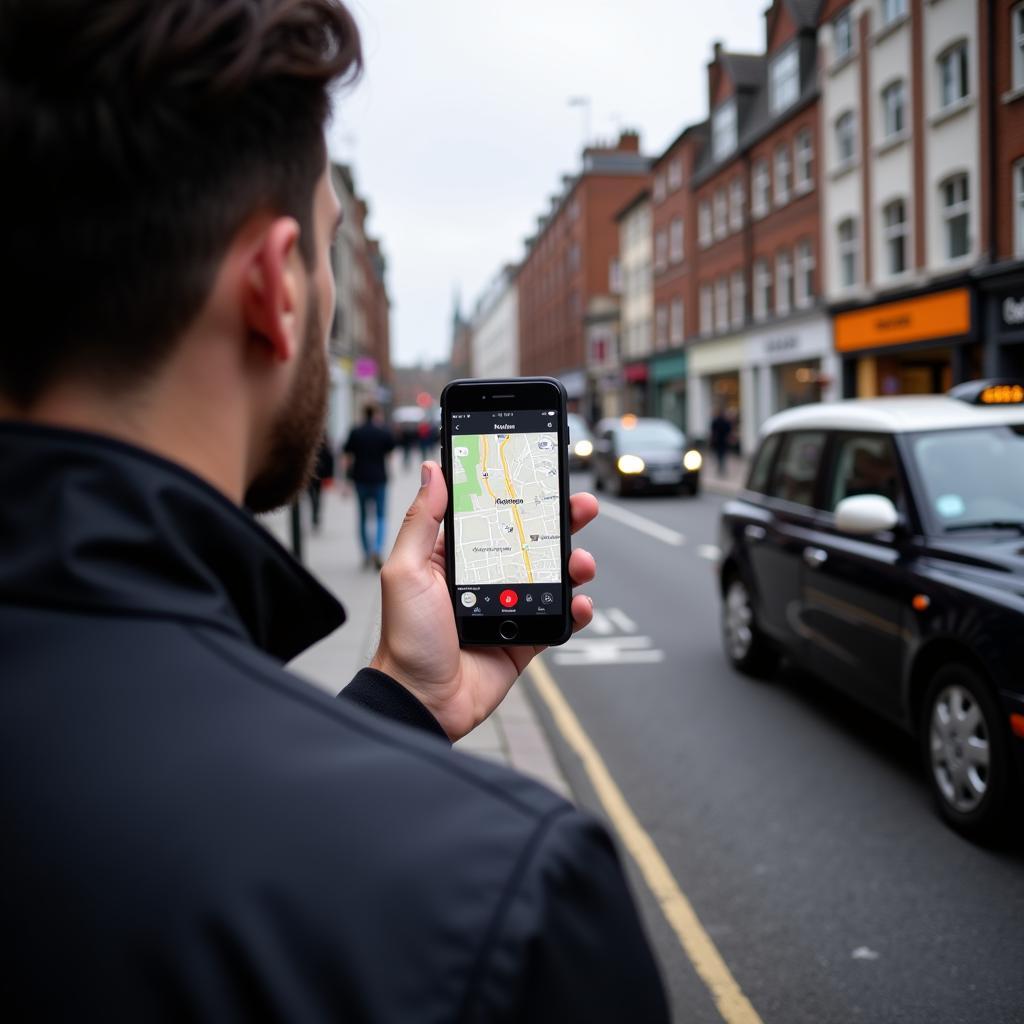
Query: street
x=798, y=825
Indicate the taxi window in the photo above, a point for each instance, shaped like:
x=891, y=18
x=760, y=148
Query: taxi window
x=762, y=466
x=796, y=469
x=865, y=464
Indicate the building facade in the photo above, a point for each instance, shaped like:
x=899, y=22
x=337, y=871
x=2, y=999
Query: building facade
x=568, y=264
x=636, y=301
x=494, y=347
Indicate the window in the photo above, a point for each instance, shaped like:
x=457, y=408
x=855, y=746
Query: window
x=956, y=212
x=783, y=282
x=675, y=175
x=659, y=188
x=784, y=79
x=736, y=200
x=676, y=330
x=661, y=327
x=846, y=138
x=724, y=137
x=738, y=298
x=574, y=257
x=894, y=109
x=762, y=467
x=1017, y=43
x=893, y=10
x=796, y=469
x=848, y=254
x=707, y=313
x=760, y=188
x=953, y=85
x=722, y=304
x=865, y=464
x=615, y=277
x=704, y=223
x=804, y=161
x=783, y=175
x=721, y=215
x=762, y=290
x=1018, y=207
x=675, y=240
x=894, y=224
x=660, y=251
x=804, y=274
x=842, y=35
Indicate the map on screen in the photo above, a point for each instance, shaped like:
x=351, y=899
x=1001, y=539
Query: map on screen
x=505, y=505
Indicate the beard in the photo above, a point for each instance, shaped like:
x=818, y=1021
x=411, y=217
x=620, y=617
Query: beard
x=296, y=435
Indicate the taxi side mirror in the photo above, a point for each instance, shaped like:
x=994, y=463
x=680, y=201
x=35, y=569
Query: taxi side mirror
x=865, y=514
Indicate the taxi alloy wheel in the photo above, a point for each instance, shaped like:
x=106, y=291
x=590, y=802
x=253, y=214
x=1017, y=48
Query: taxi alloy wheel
x=965, y=750
x=745, y=645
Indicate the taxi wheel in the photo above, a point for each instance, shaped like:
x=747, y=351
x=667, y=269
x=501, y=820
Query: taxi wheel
x=746, y=647
x=965, y=751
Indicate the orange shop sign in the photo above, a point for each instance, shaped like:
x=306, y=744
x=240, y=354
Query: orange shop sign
x=943, y=315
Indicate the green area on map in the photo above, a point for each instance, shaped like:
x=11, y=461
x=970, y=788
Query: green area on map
x=466, y=489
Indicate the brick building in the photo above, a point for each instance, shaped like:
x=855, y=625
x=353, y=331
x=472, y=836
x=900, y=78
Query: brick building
x=1001, y=87
x=763, y=340
x=674, y=228
x=568, y=263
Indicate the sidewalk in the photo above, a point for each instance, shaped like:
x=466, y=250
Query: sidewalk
x=512, y=735
x=732, y=481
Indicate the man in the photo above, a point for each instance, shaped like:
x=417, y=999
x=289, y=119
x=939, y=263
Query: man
x=323, y=470
x=721, y=438
x=366, y=452
x=190, y=832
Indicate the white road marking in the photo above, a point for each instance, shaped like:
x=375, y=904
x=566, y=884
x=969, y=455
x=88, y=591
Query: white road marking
x=622, y=620
x=581, y=642
x=712, y=552
x=863, y=953
x=610, y=654
x=643, y=524
x=600, y=623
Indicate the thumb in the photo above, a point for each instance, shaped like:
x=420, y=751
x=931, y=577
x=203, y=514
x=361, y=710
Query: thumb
x=418, y=534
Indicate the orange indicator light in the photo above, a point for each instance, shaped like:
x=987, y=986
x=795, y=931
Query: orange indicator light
x=921, y=602
x=1017, y=725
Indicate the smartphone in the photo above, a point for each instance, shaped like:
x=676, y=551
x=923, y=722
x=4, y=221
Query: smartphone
x=505, y=458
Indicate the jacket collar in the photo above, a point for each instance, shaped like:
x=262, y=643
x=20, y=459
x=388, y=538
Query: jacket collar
x=96, y=525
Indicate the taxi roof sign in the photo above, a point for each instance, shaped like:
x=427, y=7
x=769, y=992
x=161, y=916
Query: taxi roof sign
x=989, y=392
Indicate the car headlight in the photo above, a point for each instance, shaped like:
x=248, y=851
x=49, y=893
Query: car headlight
x=630, y=464
x=583, y=449
x=692, y=460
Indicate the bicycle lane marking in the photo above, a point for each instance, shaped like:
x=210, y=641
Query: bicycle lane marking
x=732, y=1004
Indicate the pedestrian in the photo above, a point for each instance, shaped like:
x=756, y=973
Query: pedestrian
x=191, y=832
x=323, y=473
x=366, y=452
x=721, y=438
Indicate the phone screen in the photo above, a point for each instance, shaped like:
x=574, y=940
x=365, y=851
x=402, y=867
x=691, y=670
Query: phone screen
x=505, y=512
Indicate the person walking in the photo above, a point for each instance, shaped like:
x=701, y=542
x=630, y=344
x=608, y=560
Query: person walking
x=366, y=464
x=191, y=831
x=323, y=472
x=721, y=438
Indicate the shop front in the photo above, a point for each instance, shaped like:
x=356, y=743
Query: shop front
x=668, y=387
x=634, y=391
x=792, y=364
x=919, y=345
x=1003, y=312
x=720, y=381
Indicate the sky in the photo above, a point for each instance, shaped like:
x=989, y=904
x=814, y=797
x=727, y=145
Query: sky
x=460, y=128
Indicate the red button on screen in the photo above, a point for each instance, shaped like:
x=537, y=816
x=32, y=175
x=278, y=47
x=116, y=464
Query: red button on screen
x=508, y=598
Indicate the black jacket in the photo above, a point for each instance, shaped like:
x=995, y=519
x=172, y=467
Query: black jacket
x=190, y=833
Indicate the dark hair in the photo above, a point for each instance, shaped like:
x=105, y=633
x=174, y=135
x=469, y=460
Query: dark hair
x=369, y=412
x=137, y=138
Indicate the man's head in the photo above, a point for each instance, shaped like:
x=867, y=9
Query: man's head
x=152, y=150
x=369, y=413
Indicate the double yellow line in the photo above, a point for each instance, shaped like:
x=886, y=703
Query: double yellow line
x=733, y=1005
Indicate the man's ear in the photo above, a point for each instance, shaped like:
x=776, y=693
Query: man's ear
x=270, y=288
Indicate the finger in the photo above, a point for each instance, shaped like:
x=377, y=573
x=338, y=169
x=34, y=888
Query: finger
x=582, y=567
x=582, y=612
x=418, y=534
x=583, y=509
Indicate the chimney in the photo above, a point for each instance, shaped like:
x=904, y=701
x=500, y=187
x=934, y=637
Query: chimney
x=629, y=141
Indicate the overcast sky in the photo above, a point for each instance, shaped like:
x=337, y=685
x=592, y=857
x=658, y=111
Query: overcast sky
x=460, y=128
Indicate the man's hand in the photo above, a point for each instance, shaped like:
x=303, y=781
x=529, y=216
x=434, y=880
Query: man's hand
x=419, y=646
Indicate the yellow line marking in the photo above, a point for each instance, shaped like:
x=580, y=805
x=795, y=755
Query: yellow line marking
x=732, y=1004
x=515, y=511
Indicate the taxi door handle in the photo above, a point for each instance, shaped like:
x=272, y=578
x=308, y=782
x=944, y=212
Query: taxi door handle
x=815, y=558
x=753, y=532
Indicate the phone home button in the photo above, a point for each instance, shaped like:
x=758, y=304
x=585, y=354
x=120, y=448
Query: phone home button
x=508, y=630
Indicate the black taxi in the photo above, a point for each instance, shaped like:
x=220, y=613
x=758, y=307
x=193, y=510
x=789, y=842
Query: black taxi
x=879, y=544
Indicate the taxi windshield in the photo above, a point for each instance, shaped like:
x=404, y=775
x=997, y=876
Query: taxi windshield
x=973, y=478
x=650, y=434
